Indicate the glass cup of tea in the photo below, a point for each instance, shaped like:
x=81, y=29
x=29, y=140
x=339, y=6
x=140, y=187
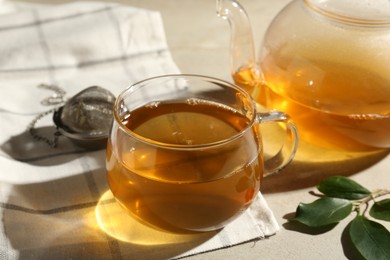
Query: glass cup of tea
x=185, y=152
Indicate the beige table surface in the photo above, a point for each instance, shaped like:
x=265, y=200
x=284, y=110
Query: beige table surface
x=199, y=43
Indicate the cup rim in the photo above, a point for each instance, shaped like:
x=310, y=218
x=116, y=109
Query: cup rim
x=152, y=142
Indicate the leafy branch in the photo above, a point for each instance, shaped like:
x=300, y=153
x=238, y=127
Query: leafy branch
x=340, y=197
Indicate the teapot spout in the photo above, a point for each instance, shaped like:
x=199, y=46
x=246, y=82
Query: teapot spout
x=242, y=53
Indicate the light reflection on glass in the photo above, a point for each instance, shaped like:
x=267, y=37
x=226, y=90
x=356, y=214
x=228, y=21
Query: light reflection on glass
x=115, y=222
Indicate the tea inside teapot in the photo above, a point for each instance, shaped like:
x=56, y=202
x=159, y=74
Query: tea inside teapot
x=325, y=63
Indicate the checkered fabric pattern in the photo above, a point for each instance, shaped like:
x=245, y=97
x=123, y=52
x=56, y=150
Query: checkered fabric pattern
x=51, y=198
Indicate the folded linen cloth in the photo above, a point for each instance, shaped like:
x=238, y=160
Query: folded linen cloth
x=55, y=202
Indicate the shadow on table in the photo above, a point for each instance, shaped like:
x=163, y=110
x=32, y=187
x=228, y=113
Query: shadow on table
x=313, y=164
x=348, y=248
x=65, y=218
x=25, y=148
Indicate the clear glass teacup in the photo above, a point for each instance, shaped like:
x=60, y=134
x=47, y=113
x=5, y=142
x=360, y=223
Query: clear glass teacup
x=185, y=152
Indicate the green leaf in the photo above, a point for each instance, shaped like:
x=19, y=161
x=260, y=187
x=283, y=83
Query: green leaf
x=323, y=212
x=370, y=238
x=381, y=210
x=343, y=188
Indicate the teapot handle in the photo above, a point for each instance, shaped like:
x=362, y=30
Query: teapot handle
x=242, y=52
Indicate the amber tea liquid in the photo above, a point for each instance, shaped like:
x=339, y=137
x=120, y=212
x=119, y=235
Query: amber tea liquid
x=334, y=105
x=196, y=189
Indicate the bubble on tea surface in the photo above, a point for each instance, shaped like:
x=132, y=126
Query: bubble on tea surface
x=89, y=112
x=194, y=101
x=153, y=104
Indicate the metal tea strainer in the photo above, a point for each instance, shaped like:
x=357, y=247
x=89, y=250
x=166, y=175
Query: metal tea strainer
x=85, y=118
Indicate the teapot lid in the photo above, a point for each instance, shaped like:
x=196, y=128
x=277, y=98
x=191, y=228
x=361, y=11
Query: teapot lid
x=359, y=12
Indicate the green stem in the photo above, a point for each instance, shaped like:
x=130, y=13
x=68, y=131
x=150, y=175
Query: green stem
x=375, y=194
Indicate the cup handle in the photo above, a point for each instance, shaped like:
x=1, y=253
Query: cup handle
x=287, y=152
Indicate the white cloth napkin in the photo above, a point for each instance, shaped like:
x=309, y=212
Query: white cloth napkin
x=55, y=202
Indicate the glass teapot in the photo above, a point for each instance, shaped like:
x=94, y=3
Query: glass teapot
x=324, y=62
